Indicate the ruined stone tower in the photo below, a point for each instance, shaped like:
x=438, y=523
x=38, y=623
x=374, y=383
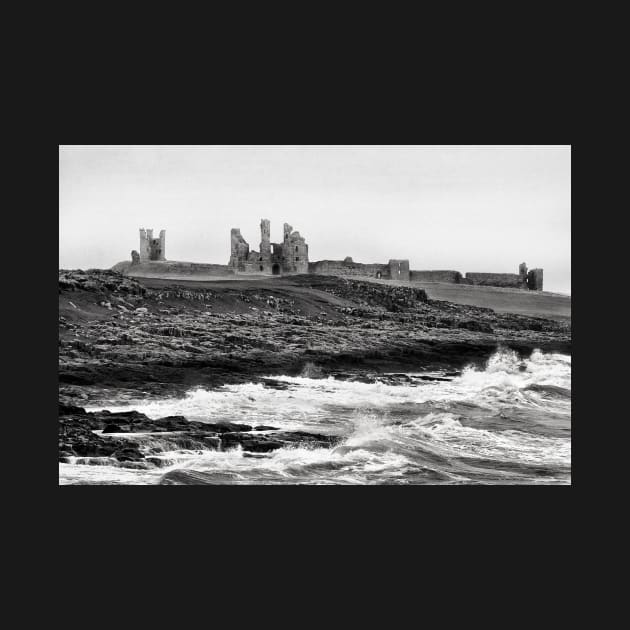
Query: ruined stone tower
x=399, y=269
x=522, y=275
x=294, y=252
x=535, y=280
x=290, y=256
x=152, y=248
x=265, y=246
x=239, y=250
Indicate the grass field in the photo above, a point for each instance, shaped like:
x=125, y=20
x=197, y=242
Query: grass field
x=533, y=303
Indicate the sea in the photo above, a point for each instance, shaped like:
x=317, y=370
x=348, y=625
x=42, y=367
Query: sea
x=507, y=422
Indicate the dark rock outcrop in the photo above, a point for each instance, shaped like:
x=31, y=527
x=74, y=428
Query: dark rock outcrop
x=79, y=436
x=166, y=337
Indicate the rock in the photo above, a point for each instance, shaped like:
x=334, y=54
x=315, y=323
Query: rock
x=274, y=441
x=128, y=453
x=65, y=410
x=113, y=428
x=475, y=325
x=370, y=328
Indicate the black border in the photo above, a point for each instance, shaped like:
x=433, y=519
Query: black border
x=404, y=110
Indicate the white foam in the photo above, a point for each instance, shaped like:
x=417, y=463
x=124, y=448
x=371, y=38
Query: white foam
x=377, y=439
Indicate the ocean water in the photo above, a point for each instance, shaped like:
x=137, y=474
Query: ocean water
x=506, y=423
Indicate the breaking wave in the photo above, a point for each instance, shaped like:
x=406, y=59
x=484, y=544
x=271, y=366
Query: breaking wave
x=509, y=422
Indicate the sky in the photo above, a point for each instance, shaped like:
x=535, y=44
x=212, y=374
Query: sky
x=467, y=208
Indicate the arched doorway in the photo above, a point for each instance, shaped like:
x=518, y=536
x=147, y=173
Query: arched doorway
x=275, y=269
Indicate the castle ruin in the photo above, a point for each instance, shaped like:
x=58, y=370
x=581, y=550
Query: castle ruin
x=291, y=257
x=152, y=248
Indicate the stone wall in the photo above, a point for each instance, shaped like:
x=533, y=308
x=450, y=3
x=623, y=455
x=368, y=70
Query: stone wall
x=512, y=280
x=167, y=267
x=343, y=268
x=438, y=275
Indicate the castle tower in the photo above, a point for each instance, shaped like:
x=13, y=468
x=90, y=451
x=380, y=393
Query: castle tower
x=522, y=274
x=162, y=245
x=535, y=280
x=287, y=232
x=294, y=251
x=239, y=250
x=145, y=248
x=152, y=248
x=265, y=235
x=398, y=269
x=264, y=257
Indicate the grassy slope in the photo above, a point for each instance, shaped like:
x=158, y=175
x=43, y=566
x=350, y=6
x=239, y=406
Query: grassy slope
x=530, y=303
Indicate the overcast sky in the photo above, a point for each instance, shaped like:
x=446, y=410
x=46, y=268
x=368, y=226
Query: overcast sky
x=468, y=208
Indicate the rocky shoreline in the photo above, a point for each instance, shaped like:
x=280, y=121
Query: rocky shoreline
x=129, y=437
x=123, y=338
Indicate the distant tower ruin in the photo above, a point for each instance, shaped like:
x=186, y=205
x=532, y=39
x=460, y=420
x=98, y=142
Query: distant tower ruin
x=535, y=280
x=532, y=279
x=522, y=275
x=152, y=248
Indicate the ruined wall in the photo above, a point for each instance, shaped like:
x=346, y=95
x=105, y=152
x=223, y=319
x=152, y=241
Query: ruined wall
x=154, y=268
x=511, y=280
x=438, y=275
x=239, y=250
x=343, y=268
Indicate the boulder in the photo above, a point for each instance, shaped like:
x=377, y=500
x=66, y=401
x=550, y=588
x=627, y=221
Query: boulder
x=113, y=428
